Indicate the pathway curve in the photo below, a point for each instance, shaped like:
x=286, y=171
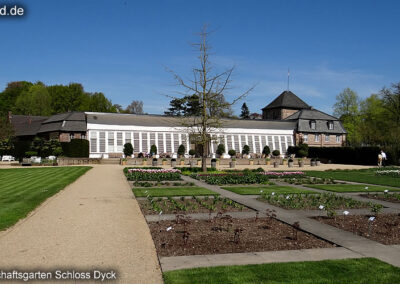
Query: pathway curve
x=94, y=223
x=357, y=244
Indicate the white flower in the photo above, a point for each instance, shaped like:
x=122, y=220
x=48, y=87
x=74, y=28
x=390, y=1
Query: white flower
x=273, y=193
x=169, y=228
x=386, y=190
x=371, y=219
x=321, y=207
x=287, y=197
x=261, y=191
x=160, y=213
x=366, y=188
x=346, y=212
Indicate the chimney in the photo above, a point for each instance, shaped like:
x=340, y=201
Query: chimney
x=9, y=116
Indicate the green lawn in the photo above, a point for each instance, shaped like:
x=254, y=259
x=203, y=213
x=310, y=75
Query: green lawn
x=266, y=189
x=350, y=187
x=171, y=191
x=363, y=176
x=364, y=270
x=22, y=190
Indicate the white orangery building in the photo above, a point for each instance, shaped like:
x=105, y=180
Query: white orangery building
x=108, y=132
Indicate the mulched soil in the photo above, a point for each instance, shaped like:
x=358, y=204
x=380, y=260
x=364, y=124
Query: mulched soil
x=384, y=229
x=216, y=236
x=384, y=197
x=191, y=204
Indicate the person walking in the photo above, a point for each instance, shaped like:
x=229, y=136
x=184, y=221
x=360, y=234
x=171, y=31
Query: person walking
x=383, y=158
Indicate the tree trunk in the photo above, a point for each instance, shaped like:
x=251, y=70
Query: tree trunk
x=204, y=163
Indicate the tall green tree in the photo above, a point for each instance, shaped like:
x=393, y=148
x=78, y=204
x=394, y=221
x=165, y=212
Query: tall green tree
x=9, y=96
x=35, y=101
x=99, y=103
x=245, y=113
x=347, y=109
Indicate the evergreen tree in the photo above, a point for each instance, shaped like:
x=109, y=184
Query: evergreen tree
x=245, y=114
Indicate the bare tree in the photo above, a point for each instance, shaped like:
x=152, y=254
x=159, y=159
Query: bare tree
x=210, y=87
x=135, y=107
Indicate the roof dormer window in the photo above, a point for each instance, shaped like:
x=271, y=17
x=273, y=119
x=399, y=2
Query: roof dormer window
x=313, y=124
x=330, y=125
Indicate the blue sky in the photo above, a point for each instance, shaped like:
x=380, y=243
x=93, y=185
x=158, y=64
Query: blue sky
x=122, y=47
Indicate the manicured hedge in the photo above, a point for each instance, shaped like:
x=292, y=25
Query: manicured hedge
x=346, y=155
x=77, y=148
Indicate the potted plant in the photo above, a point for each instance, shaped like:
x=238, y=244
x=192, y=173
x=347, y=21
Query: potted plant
x=199, y=162
x=245, y=151
x=266, y=151
x=181, y=150
x=213, y=163
x=268, y=161
x=182, y=162
x=192, y=163
x=284, y=162
x=232, y=153
x=192, y=152
x=313, y=162
x=317, y=162
x=144, y=162
x=301, y=162
x=173, y=162
x=290, y=163
x=251, y=162
x=154, y=162
x=220, y=149
x=232, y=163
x=276, y=154
x=164, y=162
x=153, y=150
x=123, y=161
x=128, y=149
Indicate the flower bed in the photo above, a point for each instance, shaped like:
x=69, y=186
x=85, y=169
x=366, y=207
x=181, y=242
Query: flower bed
x=225, y=234
x=390, y=197
x=153, y=174
x=384, y=228
x=195, y=204
x=232, y=178
x=391, y=173
x=329, y=201
x=273, y=175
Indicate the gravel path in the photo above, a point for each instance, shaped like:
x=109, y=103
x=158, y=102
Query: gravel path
x=94, y=223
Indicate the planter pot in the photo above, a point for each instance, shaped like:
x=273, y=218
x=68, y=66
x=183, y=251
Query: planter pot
x=268, y=163
x=301, y=164
x=313, y=163
x=192, y=164
x=276, y=164
x=182, y=163
x=154, y=163
x=173, y=164
x=213, y=164
x=164, y=163
x=232, y=164
x=251, y=163
x=199, y=163
x=290, y=164
x=284, y=163
x=318, y=163
x=123, y=163
x=144, y=163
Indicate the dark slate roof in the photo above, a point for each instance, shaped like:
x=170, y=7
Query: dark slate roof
x=287, y=100
x=168, y=121
x=305, y=116
x=65, y=122
x=27, y=125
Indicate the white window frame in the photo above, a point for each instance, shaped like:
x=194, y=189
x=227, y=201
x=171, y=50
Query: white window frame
x=313, y=123
x=338, y=138
x=316, y=137
x=305, y=137
x=330, y=125
x=327, y=137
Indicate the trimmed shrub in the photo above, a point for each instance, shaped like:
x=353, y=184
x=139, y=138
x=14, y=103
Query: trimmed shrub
x=220, y=149
x=128, y=149
x=192, y=152
x=266, y=151
x=29, y=154
x=77, y=148
x=300, y=151
x=232, y=153
x=181, y=150
x=246, y=150
x=276, y=153
x=153, y=150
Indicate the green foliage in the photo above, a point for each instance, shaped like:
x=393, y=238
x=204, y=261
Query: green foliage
x=246, y=150
x=232, y=153
x=9, y=96
x=266, y=151
x=346, y=155
x=29, y=154
x=276, y=153
x=77, y=148
x=192, y=152
x=186, y=106
x=149, y=176
x=245, y=113
x=128, y=149
x=6, y=128
x=300, y=151
x=181, y=150
x=153, y=150
x=232, y=178
x=34, y=101
x=220, y=149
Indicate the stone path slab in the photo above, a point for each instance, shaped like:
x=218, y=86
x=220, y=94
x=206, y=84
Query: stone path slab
x=94, y=223
x=193, y=261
